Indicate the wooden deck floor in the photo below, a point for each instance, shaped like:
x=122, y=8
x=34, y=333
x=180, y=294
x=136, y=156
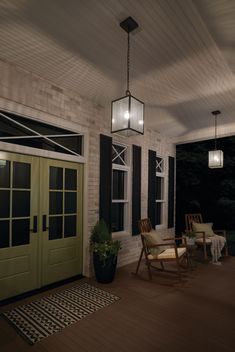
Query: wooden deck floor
x=162, y=315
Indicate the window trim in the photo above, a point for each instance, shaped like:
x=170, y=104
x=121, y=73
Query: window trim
x=163, y=201
x=127, y=189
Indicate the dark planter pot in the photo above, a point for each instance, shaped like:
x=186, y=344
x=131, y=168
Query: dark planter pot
x=104, y=274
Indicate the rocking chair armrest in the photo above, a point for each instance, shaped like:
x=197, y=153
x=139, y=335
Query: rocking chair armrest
x=203, y=232
x=170, y=244
x=175, y=239
x=222, y=232
x=158, y=245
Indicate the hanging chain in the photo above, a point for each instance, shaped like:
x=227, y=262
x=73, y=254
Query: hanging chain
x=215, y=130
x=128, y=65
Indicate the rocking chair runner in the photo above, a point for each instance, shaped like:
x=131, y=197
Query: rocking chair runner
x=168, y=251
x=203, y=241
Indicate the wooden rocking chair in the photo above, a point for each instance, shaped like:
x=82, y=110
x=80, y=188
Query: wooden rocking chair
x=203, y=240
x=167, y=250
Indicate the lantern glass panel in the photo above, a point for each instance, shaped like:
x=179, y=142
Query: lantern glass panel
x=136, y=115
x=216, y=159
x=120, y=114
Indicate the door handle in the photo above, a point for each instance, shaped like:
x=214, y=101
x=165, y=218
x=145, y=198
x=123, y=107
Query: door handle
x=35, y=224
x=44, y=223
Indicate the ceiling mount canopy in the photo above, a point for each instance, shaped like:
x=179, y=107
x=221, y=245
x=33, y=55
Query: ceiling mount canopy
x=128, y=111
x=215, y=157
x=129, y=24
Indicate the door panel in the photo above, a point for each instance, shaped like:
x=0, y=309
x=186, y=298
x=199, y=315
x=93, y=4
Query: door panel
x=40, y=222
x=18, y=205
x=62, y=238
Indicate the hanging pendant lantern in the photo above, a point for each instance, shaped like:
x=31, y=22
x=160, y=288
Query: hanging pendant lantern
x=128, y=111
x=215, y=157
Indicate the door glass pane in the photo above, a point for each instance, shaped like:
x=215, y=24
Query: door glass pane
x=118, y=184
x=70, y=226
x=56, y=177
x=55, y=203
x=70, y=179
x=20, y=232
x=4, y=174
x=20, y=203
x=70, y=202
x=4, y=204
x=4, y=234
x=21, y=175
x=55, y=227
x=117, y=217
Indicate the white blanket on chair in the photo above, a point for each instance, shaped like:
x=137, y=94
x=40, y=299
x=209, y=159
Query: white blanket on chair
x=217, y=244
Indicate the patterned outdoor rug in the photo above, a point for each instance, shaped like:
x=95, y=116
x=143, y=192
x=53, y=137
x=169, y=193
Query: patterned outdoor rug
x=44, y=317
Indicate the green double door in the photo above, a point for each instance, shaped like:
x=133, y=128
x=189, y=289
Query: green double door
x=40, y=222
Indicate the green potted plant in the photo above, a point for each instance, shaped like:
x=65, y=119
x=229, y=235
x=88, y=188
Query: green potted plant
x=190, y=237
x=105, y=251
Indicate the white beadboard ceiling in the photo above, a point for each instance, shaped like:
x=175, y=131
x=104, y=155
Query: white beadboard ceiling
x=182, y=55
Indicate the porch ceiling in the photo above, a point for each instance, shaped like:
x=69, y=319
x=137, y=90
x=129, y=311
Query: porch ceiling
x=182, y=56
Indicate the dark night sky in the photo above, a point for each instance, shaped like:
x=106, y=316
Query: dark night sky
x=200, y=189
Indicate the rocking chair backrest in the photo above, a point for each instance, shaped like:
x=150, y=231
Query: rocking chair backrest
x=144, y=225
x=189, y=218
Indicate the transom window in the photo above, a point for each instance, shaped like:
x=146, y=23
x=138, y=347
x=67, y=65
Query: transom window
x=120, y=187
x=159, y=165
x=19, y=130
x=119, y=154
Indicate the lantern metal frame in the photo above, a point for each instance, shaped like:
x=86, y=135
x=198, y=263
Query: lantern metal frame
x=216, y=156
x=127, y=112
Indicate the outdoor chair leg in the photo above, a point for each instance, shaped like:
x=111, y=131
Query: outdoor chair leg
x=179, y=271
x=205, y=252
x=226, y=249
x=149, y=270
x=189, y=262
x=139, y=261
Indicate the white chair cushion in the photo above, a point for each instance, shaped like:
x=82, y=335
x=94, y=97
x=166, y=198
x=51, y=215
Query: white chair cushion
x=169, y=253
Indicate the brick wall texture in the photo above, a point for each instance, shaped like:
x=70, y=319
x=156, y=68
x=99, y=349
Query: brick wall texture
x=24, y=93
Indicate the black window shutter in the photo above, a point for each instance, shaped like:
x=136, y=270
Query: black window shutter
x=171, y=192
x=136, y=188
x=106, y=179
x=152, y=187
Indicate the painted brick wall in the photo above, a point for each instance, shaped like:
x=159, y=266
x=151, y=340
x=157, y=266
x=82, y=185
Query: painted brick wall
x=24, y=93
